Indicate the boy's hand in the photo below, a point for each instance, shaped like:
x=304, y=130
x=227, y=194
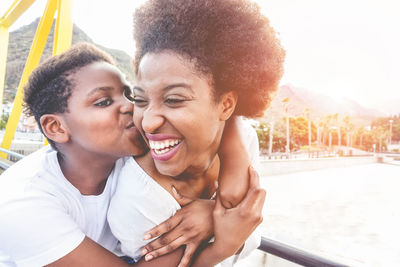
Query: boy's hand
x=190, y=226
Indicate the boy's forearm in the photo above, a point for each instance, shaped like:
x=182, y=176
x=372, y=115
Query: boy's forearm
x=211, y=255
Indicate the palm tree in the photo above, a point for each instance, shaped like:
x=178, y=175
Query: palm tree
x=307, y=113
x=335, y=118
x=285, y=102
x=349, y=126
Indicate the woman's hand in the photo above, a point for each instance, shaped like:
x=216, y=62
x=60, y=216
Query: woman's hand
x=190, y=226
x=233, y=226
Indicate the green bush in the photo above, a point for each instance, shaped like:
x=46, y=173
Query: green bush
x=3, y=121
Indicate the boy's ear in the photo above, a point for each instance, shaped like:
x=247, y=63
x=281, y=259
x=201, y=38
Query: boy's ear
x=228, y=104
x=54, y=128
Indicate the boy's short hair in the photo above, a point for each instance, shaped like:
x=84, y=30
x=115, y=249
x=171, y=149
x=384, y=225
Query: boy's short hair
x=50, y=85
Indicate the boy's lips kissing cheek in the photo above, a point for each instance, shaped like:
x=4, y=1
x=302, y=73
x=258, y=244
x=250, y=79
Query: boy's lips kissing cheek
x=130, y=125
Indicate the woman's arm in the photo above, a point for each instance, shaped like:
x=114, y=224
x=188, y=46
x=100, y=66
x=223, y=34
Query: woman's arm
x=233, y=178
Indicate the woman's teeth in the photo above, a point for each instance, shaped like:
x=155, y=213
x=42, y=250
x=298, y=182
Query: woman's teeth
x=164, y=146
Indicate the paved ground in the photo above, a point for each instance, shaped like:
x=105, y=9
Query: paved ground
x=351, y=215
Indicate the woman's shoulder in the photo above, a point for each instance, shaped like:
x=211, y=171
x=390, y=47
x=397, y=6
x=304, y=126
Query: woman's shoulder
x=140, y=190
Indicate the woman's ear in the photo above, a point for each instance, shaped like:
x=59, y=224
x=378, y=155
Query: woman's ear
x=54, y=128
x=227, y=104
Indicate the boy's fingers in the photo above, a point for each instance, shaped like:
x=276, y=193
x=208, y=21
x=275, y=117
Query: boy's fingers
x=182, y=200
x=187, y=256
x=164, y=227
x=165, y=249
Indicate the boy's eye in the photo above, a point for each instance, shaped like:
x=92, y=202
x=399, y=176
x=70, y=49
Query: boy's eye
x=104, y=103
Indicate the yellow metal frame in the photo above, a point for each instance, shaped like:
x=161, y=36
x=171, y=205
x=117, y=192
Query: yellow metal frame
x=62, y=41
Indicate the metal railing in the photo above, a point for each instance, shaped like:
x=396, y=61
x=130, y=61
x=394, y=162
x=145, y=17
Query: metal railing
x=295, y=255
x=5, y=164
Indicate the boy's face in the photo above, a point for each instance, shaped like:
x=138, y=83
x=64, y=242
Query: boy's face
x=99, y=118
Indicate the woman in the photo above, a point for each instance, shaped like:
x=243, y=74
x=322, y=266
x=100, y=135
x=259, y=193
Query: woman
x=197, y=63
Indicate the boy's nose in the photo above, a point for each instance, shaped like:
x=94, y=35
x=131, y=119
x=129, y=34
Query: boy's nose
x=126, y=107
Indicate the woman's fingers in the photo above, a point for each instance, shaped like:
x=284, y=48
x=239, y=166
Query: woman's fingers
x=255, y=196
x=254, y=178
x=182, y=200
x=163, y=241
x=164, y=227
x=254, y=200
x=165, y=249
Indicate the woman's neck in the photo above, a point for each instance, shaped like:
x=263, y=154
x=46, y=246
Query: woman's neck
x=87, y=173
x=196, y=185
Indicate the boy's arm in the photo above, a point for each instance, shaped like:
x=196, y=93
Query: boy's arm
x=89, y=253
x=233, y=177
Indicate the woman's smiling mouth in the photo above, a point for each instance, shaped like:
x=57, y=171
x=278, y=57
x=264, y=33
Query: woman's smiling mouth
x=162, y=146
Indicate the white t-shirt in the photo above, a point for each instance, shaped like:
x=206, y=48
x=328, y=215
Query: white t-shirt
x=43, y=216
x=140, y=203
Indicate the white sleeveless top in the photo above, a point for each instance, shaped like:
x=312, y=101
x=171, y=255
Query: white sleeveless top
x=140, y=203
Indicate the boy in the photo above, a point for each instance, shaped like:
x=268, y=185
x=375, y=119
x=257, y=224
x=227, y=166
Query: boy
x=54, y=202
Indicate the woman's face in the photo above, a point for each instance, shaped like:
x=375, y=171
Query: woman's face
x=176, y=111
x=99, y=118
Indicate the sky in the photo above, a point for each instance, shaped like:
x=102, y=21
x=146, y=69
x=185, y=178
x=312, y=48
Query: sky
x=341, y=48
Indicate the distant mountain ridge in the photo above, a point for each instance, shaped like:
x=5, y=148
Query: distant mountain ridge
x=318, y=104
x=20, y=42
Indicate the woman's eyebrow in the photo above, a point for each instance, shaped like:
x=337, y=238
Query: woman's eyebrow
x=138, y=88
x=100, y=89
x=168, y=87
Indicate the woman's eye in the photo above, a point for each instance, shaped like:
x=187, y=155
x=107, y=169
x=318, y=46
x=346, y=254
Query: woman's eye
x=139, y=102
x=173, y=101
x=104, y=103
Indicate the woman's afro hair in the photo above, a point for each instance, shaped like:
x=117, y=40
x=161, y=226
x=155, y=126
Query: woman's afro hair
x=229, y=39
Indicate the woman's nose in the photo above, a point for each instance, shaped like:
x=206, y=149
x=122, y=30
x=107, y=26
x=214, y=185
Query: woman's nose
x=152, y=120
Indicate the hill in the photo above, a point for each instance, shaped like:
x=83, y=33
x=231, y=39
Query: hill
x=318, y=104
x=20, y=42
x=300, y=98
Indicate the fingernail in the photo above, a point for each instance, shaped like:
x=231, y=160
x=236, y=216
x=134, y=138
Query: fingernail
x=146, y=236
x=144, y=251
x=174, y=190
x=148, y=257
